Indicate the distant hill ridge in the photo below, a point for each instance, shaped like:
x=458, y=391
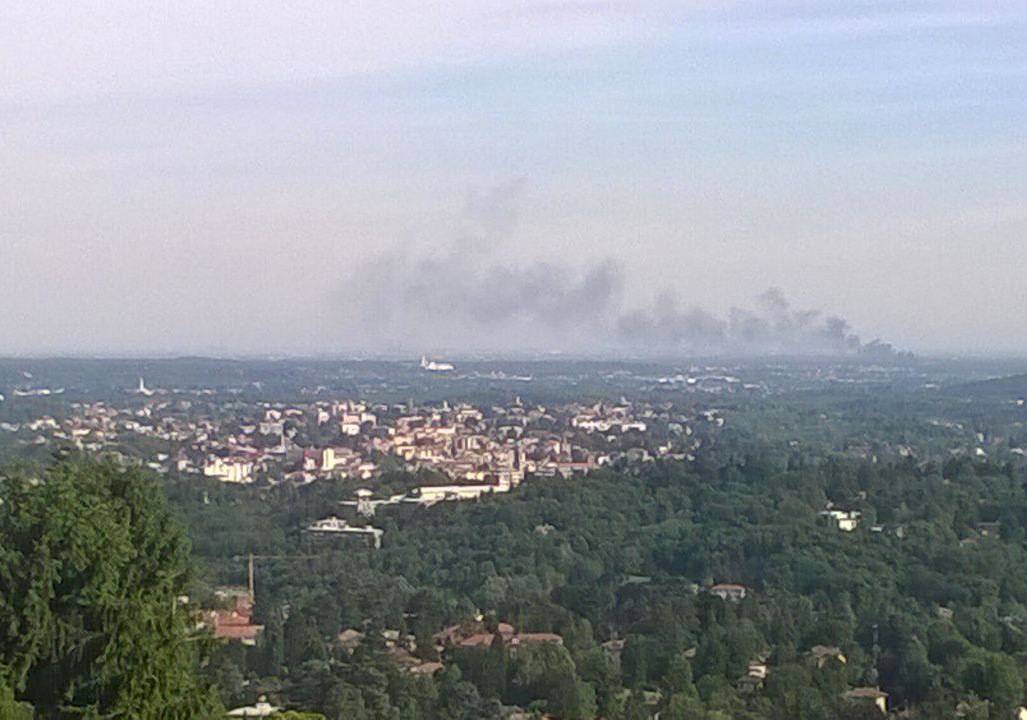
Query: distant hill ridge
x=1011, y=386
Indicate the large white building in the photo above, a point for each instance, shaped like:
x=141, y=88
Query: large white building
x=232, y=470
x=337, y=526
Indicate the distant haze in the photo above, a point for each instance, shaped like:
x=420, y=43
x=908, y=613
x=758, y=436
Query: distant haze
x=641, y=177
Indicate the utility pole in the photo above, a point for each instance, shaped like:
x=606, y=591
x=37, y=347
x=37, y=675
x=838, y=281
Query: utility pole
x=250, y=583
x=251, y=558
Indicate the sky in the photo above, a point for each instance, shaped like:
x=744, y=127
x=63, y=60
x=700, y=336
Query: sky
x=317, y=178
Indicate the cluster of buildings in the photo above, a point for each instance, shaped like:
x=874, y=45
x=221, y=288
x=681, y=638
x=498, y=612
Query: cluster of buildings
x=466, y=450
x=456, y=451
x=476, y=635
x=471, y=635
x=844, y=520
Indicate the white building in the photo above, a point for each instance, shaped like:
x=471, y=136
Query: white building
x=844, y=520
x=232, y=470
x=431, y=494
x=432, y=366
x=262, y=709
x=337, y=526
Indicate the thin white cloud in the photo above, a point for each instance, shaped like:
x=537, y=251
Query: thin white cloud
x=103, y=49
x=60, y=52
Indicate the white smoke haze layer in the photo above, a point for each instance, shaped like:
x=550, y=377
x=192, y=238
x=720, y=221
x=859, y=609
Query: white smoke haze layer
x=476, y=295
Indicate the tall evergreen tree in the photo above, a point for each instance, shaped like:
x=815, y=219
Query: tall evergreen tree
x=92, y=569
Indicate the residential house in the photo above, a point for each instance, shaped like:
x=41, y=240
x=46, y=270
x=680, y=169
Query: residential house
x=729, y=591
x=822, y=654
x=868, y=695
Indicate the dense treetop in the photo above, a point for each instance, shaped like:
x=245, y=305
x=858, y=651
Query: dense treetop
x=92, y=569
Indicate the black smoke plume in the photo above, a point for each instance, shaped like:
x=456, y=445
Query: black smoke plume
x=471, y=296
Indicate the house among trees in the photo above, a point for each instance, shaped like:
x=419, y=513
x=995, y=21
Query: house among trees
x=844, y=520
x=261, y=709
x=234, y=623
x=988, y=529
x=729, y=591
x=614, y=648
x=349, y=639
x=427, y=668
x=821, y=654
x=476, y=635
x=755, y=675
x=868, y=695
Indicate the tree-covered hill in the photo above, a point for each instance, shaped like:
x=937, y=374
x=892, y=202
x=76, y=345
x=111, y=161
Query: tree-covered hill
x=926, y=598
x=724, y=587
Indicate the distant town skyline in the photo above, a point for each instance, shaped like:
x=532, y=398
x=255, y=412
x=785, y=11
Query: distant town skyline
x=574, y=176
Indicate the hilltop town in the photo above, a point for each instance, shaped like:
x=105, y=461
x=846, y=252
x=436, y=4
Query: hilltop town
x=463, y=449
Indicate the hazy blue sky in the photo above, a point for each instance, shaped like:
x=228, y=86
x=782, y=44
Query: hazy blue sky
x=244, y=177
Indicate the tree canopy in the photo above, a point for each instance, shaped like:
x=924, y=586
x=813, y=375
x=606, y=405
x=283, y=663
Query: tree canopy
x=92, y=619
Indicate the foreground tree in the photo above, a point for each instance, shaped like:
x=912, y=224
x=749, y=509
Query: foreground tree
x=10, y=709
x=91, y=569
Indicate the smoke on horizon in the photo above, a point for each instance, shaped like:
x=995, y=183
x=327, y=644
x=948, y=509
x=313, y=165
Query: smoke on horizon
x=472, y=296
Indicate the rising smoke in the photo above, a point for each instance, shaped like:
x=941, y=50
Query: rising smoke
x=773, y=327
x=469, y=296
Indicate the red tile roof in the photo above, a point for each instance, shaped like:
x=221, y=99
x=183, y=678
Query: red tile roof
x=238, y=632
x=537, y=638
x=478, y=640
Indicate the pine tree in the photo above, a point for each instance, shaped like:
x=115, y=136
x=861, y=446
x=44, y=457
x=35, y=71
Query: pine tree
x=92, y=569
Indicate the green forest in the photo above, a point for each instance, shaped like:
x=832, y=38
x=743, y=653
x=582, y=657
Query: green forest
x=926, y=600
